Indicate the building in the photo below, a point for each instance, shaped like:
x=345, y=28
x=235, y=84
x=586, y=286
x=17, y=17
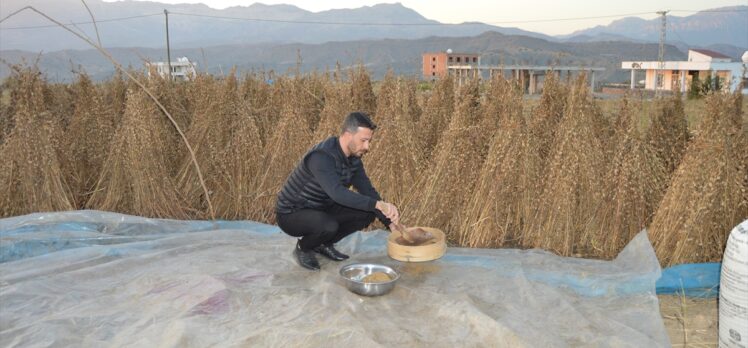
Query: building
x=700, y=64
x=182, y=69
x=468, y=65
x=437, y=64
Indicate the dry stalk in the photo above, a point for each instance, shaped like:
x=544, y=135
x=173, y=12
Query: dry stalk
x=362, y=94
x=493, y=215
x=87, y=139
x=436, y=114
x=668, y=133
x=573, y=184
x=131, y=77
x=442, y=189
x=31, y=178
x=706, y=196
x=135, y=178
x=634, y=186
x=395, y=159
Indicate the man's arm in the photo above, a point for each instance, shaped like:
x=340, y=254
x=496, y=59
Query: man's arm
x=362, y=183
x=322, y=167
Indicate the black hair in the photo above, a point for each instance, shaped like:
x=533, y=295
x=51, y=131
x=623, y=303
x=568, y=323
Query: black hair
x=357, y=119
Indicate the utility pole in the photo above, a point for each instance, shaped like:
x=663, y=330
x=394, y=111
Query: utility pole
x=168, y=48
x=660, y=76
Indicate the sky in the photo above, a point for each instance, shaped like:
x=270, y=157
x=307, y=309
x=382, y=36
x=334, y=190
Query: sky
x=530, y=15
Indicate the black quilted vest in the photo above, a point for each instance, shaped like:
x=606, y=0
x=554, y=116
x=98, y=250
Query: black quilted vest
x=302, y=191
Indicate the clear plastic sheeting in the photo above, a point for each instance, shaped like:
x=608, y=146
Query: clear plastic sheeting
x=93, y=279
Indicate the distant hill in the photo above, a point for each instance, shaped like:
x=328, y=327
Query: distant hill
x=188, y=26
x=403, y=56
x=725, y=25
x=197, y=25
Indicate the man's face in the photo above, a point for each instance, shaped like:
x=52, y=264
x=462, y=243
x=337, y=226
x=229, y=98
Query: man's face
x=359, y=144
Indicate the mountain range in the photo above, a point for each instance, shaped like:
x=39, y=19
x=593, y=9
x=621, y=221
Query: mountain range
x=403, y=56
x=142, y=24
x=217, y=44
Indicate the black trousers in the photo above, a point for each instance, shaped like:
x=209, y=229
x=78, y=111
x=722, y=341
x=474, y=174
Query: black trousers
x=318, y=227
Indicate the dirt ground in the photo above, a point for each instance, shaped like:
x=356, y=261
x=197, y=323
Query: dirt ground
x=690, y=322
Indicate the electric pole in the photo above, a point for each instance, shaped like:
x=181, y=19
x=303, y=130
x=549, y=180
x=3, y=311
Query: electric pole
x=660, y=76
x=168, y=49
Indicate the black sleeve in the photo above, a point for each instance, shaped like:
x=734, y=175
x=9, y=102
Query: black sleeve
x=322, y=167
x=362, y=183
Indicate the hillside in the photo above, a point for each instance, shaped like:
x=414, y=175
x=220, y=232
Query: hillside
x=403, y=56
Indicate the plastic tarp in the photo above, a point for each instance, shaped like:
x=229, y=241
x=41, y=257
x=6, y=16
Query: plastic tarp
x=93, y=279
x=691, y=279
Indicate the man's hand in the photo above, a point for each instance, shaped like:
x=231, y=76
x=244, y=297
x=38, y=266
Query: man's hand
x=389, y=210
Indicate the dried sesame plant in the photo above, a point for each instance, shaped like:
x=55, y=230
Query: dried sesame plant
x=362, y=94
x=86, y=142
x=290, y=140
x=574, y=180
x=492, y=215
x=395, y=160
x=706, y=196
x=436, y=114
x=337, y=106
x=446, y=182
x=31, y=177
x=136, y=177
x=239, y=164
x=634, y=186
x=668, y=133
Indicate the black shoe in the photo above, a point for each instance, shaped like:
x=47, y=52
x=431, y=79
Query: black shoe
x=306, y=258
x=330, y=252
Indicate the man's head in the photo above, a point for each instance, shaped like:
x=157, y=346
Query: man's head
x=356, y=135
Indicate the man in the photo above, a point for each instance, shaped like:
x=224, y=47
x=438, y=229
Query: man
x=316, y=204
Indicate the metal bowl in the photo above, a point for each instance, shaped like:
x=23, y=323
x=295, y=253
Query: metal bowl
x=354, y=274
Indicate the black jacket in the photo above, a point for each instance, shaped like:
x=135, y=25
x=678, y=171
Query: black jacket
x=323, y=177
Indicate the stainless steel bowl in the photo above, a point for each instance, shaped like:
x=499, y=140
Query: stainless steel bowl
x=354, y=274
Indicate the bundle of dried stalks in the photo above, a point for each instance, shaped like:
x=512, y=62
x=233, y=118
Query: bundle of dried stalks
x=173, y=96
x=498, y=98
x=136, y=178
x=706, y=198
x=115, y=92
x=290, y=141
x=436, y=114
x=542, y=128
x=8, y=88
x=239, y=165
x=30, y=173
x=215, y=108
x=60, y=101
x=547, y=114
x=395, y=159
x=444, y=185
x=410, y=100
x=337, y=106
x=492, y=216
x=256, y=92
x=386, y=98
x=574, y=179
x=362, y=94
x=668, y=133
x=87, y=139
x=634, y=186
x=309, y=93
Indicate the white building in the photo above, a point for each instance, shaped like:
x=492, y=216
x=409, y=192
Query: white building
x=181, y=69
x=700, y=64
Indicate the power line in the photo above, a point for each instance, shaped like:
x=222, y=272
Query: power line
x=88, y=22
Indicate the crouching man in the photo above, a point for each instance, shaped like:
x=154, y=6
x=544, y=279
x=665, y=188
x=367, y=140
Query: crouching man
x=316, y=204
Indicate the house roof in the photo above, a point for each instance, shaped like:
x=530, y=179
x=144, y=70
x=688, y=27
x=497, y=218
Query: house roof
x=711, y=53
